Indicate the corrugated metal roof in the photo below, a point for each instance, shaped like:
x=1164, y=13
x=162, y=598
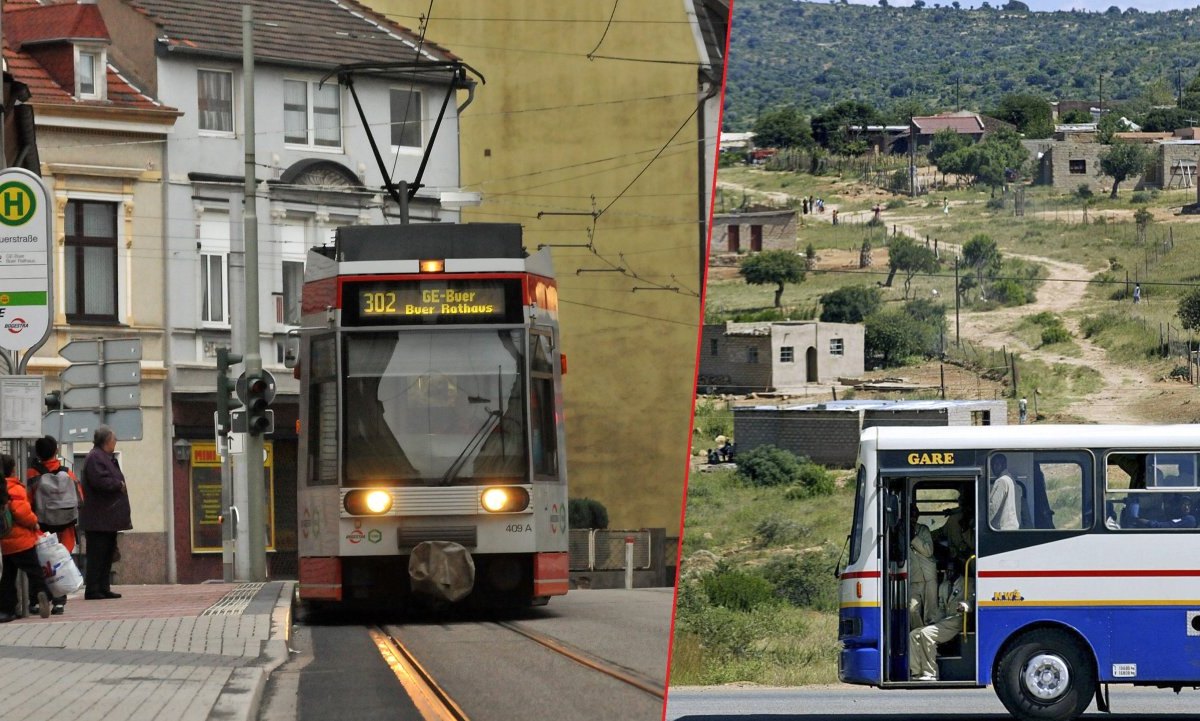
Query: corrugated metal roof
x=322, y=33
x=874, y=405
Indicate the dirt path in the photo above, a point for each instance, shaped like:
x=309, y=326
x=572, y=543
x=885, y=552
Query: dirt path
x=1129, y=389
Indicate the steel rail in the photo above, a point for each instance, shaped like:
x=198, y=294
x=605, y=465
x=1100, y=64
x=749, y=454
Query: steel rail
x=624, y=675
x=432, y=702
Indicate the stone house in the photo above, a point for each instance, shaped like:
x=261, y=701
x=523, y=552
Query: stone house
x=752, y=231
x=745, y=357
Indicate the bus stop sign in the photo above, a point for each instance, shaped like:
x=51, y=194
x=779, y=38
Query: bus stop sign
x=25, y=260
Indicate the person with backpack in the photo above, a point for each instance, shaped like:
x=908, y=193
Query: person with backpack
x=19, y=548
x=55, y=495
x=105, y=514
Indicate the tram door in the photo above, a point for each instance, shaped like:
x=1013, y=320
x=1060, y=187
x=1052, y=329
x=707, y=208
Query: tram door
x=918, y=563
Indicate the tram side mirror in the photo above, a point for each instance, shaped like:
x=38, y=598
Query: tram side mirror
x=891, y=510
x=291, y=348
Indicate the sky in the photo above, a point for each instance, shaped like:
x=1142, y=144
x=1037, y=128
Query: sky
x=1051, y=5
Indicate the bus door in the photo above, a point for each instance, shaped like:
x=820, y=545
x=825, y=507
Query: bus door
x=921, y=567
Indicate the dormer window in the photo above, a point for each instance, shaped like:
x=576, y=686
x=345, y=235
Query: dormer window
x=89, y=73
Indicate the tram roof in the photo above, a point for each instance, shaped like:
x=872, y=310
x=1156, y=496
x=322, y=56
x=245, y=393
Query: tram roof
x=421, y=241
x=1033, y=436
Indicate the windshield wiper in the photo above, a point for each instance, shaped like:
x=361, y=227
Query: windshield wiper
x=489, y=423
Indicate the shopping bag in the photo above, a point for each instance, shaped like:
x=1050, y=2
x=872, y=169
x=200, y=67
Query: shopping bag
x=62, y=576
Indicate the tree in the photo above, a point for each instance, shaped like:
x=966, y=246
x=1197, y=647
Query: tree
x=1189, y=310
x=1030, y=113
x=850, y=304
x=910, y=257
x=1164, y=120
x=1109, y=124
x=892, y=335
x=1016, y=6
x=991, y=160
x=1122, y=160
x=982, y=256
x=945, y=141
x=1075, y=116
x=831, y=129
x=773, y=266
x=782, y=128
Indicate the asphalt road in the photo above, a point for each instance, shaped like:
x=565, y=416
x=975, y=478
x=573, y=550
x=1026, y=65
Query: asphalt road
x=868, y=704
x=491, y=672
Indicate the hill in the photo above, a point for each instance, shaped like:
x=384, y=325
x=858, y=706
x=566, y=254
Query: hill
x=814, y=55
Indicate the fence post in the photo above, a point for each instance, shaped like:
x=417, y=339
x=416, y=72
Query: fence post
x=629, y=562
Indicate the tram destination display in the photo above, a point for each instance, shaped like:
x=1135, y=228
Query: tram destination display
x=444, y=301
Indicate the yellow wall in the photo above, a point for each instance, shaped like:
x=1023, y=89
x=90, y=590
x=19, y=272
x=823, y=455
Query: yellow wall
x=560, y=129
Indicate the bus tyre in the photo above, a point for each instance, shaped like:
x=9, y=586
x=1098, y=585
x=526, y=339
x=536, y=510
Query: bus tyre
x=1047, y=675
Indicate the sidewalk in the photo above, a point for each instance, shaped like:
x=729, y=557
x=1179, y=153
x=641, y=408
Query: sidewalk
x=184, y=653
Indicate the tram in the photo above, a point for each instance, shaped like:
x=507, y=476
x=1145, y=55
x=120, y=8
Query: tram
x=431, y=461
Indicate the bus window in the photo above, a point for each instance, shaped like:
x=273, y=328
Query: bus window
x=860, y=502
x=1151, y=491
x=1039, y=490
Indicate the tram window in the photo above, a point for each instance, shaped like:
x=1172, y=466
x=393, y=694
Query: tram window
x=323, y=413
x=543, y=427
x=1046, y=490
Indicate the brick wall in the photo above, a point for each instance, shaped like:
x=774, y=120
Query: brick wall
x=827, y=437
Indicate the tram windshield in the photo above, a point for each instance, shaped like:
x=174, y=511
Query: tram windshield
x=435, y=408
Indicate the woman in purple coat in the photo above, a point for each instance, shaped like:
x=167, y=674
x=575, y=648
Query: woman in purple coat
x=104, y=513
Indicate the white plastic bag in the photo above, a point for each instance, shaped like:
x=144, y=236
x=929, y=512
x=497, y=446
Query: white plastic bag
x=62, y=575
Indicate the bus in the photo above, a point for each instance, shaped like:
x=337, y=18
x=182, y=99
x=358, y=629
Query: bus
x=431, y=461
x=1075, y=548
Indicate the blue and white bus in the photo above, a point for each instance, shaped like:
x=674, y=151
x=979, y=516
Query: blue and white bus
x=1090, y=577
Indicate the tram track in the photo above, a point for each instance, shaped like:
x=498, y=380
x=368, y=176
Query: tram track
x=435, y=703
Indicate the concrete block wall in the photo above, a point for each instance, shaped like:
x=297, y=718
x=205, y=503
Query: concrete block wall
x=730, y=361
x=826, y=437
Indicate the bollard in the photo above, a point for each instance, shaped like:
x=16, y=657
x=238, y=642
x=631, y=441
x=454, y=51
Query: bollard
x=628, y=562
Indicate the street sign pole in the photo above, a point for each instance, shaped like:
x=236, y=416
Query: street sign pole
x=255, y=499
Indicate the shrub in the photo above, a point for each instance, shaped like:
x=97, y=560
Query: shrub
x=1055, y=334
x=777, y=530
x=1139, y=197
x=1010, y=292
x=713, y=419
x=1084, y=192
x=737, y=590
x=1046, y=319
x=587, y=513
x=814, y=481
x=850, y=304
x=895, y=203
x=805, y=579
x=995, y=204
x=1093, y=325
x=768, y=466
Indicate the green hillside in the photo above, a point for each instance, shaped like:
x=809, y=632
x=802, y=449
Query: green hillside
x=814, y=55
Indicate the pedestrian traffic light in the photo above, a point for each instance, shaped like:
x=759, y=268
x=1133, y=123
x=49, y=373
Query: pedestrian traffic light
x=226, y=386
x=259, y=393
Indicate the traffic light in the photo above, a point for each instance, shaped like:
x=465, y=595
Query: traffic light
x=53, y=401
x=226, y=387
x=259, y=393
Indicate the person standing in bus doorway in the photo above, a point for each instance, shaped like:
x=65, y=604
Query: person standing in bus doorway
x=105, y=513
x=922, y=573
x=923, y=642
x=1002, y=496
x=955, y=534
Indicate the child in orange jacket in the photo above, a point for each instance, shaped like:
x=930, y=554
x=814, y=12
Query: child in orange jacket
x=19, y=548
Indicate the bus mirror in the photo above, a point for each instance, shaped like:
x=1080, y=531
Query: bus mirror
x=891, y=510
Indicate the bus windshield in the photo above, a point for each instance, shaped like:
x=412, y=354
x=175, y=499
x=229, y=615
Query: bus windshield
x=435, y=408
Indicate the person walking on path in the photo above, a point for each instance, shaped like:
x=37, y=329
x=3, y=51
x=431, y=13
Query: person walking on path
x=1137, y=293
x=56, y=503
x=105, y=514
x=20, y=549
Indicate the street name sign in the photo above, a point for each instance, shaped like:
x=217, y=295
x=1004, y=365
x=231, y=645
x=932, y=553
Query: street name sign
x=115, y=349
x=106, y=397
x=26, y=230
x=93, y=374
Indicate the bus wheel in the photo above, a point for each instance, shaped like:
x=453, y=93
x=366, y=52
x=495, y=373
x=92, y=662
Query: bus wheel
x=1047, y=675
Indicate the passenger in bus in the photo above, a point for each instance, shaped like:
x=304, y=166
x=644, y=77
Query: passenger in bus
x=1179, y=514
x=922, y=574
x=923, y=642
x=954, y=536
x=1002, y=496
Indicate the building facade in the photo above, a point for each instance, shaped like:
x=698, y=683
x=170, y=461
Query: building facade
x=828, y=433
x=747, y=357
x=602, y=144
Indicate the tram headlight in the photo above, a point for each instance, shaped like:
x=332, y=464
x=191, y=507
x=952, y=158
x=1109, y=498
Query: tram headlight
x=368, y=503
x=504, y=500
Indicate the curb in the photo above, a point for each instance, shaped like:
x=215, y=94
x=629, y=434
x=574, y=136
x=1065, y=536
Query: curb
x=242, y=694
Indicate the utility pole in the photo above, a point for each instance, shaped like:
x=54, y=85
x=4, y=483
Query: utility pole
x=957, y=293
x=252, y=564
x=912, y=157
